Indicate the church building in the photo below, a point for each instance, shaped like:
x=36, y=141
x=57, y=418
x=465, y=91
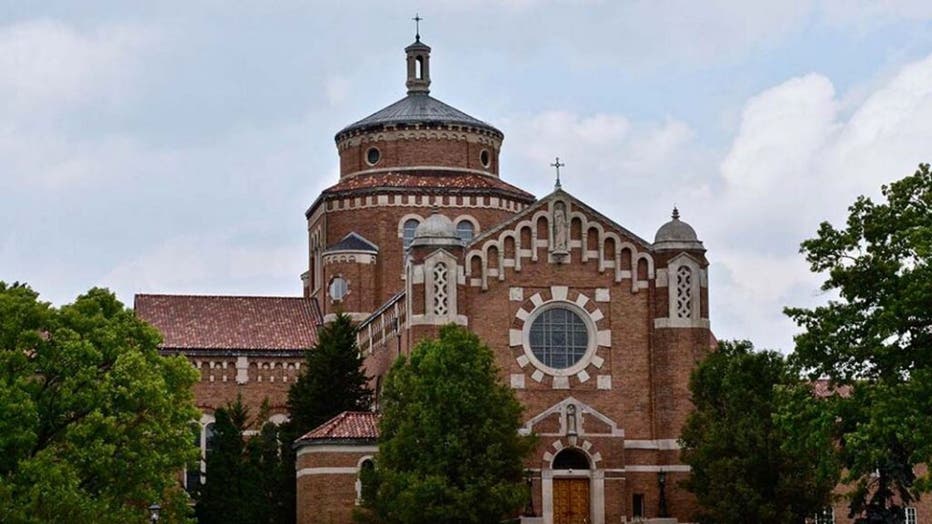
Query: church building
x=594, y=327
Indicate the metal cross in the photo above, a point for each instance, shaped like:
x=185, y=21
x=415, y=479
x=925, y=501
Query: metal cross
x=557, y=165
x=417, y=26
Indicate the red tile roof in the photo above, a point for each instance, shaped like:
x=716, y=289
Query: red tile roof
x=349, y=425
x=823, y=388
x=229, y=322
x=429, y=179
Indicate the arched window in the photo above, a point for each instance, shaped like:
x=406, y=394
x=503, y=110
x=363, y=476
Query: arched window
x=209, y=441
x=408, y=232
x=571, y=458
x=465, y=230
x=338, y=288
x=419, y=68
x=365, y=485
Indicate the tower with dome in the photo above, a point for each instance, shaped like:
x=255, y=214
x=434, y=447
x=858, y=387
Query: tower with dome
x=594, y=327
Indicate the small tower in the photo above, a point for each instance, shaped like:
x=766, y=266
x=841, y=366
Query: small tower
x=435, y=275
x=418, y=67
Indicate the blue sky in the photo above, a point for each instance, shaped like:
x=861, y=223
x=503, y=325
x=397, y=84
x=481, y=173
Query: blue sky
x=174, y=146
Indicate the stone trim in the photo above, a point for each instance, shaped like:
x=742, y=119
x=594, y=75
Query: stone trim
x=337, y=448
x=583, y=410
x=592, y=316
x=643, y=468
x=659, y=444
x=327, y=471
x=514, y=231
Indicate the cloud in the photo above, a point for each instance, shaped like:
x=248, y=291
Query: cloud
x=797, y=158
x=47, y=63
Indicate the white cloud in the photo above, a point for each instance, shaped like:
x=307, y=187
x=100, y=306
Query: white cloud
x=796, y=159
x=46, y=62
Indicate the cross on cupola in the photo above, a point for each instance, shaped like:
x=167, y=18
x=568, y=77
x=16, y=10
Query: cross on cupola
x=418, y=62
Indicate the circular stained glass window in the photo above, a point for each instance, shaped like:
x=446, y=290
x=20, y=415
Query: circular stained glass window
x=373, y=155
x=559, y=338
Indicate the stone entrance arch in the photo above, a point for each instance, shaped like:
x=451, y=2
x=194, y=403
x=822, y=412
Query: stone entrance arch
x=573, y=492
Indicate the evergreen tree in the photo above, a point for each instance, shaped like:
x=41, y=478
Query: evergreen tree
x=449, y=448
x=331, y=381
x=243, y=479
x=744, y=466
x=875, y=340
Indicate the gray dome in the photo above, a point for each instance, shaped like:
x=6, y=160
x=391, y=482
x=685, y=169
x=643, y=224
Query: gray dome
x=677, y=234
x=436, y=230
x=414, y=109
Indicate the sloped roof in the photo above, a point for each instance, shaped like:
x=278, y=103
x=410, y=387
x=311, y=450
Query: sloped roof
x=353, y=242
x=417, y=108
x=428, y=179
x=229, y=322
x=349, y=425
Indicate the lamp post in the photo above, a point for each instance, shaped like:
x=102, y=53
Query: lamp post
x=529, y=509
x=662, y=483
x=154, y=510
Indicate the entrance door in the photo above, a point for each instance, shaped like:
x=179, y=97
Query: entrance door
x=570, y=501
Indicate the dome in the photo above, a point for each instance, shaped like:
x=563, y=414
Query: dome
x=416, y=109
x=676, y=234
x=436, y=230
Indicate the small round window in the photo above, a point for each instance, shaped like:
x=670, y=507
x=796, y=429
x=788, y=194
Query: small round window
x=485, y=158
x=559, y=338
x=373, y=155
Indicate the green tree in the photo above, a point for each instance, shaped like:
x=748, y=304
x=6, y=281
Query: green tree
x=242, y=482
x=94, y=423
x=744, y=466
x=331, y=381
x=875, y=340
x=449, y=449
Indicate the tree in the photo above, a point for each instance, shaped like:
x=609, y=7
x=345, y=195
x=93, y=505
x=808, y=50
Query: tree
x=331, y=381
x=745, y=468
x=449, y=448
x=94, y=423
x=242, y=484
x=875, y=340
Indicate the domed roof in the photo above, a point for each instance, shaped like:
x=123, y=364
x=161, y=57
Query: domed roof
x=676, y=234
x=417, y=108
x=436, y=230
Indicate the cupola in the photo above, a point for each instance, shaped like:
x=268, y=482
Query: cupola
x=677, y=234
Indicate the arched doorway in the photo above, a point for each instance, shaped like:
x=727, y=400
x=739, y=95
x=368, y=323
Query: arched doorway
x=571, y=497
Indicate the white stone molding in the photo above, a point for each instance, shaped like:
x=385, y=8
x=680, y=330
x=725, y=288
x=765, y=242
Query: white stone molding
x=624, y=251
x=337, y=448
x=405, y=218
x=684, y=282
x=516, y=294
x=599, y=336
x=303, y=472
x=583, y=411
x=350, y=257
x=440, y=293
x=659, y=444
x=595, y=475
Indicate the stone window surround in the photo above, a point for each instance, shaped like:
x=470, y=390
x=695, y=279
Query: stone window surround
x=667, y=277
x=591, y=344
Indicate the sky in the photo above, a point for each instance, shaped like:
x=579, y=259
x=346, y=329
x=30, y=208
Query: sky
x=174, y=146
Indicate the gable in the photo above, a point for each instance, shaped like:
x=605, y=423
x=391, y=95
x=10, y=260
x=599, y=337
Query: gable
x=552, y=421
x=557, y=229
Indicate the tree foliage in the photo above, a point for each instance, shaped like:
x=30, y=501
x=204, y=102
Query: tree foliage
x=243, y=475
x=94, y=423
x=331, y=381
x=449, y=447
x=875, y=339
x=744, y=466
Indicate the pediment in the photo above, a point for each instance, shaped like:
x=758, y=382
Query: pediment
x=553, y=421
x=559, y=229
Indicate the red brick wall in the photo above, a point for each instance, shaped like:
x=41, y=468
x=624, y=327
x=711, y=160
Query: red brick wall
x=451, y=152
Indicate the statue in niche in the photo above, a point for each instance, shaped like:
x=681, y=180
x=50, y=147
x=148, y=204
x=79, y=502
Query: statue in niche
x=571, y=420
x=560, y=229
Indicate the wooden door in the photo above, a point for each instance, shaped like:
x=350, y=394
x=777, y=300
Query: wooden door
x=571, y=501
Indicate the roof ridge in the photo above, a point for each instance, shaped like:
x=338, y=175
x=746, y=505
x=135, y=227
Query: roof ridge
x=188, y=295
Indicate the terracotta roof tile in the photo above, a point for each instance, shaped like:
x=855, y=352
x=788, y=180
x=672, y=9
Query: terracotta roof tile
x=428, y=179
x=350, y=425
x=823, y=388
x=229, y=322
